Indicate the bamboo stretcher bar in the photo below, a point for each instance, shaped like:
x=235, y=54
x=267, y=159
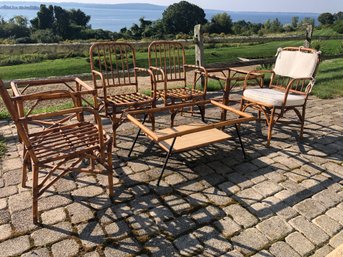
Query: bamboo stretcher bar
x=161, y=137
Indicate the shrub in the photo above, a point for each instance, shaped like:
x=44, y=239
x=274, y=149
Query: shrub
x=45, y=36
x=338, y=27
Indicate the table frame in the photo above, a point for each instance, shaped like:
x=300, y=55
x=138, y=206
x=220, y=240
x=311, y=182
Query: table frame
x=158, y=138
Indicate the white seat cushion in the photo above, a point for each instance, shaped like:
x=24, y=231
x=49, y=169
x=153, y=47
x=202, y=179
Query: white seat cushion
x=273, y=97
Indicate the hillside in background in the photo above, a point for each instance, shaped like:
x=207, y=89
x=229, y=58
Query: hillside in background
x=113, y=17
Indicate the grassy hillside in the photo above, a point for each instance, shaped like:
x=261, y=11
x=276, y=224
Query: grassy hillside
x=330, y=81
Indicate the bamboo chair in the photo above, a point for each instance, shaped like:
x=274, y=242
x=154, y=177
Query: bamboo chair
x=291, y=82
x=56, y=143
x=168, y=63
x=115, y=65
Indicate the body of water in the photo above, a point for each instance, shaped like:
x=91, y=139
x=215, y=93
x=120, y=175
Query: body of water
x=115, y=17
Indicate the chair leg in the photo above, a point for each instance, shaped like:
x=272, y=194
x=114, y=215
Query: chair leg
x=110, y=172
x=172, y=118
x=35, y=194
x=270, y=126
x=302, y=120
x=152, y=119
x=115, y=125
x=202, y=112
x=25, y=167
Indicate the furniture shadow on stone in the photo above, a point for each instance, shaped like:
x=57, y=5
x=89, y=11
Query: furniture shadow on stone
x=191, y=136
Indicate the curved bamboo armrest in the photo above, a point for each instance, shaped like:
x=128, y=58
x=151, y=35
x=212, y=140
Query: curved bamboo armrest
x=252, y=74
x=46, y=95
x=38, y=82
x=160, y=70
x=152, y=77
x=307, y=91
x=100, y=75
x=84, y=84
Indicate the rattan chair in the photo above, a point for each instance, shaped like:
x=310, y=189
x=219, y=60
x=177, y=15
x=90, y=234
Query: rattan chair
x=291, y=82
x=167, y=61
x=115, y=65
x=58, y=142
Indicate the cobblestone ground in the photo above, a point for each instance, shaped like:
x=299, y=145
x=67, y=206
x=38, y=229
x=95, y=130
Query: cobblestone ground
x=283, y=201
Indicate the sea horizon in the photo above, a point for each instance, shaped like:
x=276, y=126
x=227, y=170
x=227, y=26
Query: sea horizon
x=114, y=17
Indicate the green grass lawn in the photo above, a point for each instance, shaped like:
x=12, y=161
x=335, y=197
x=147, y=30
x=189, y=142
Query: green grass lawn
x=329, y=79
x=329, y=82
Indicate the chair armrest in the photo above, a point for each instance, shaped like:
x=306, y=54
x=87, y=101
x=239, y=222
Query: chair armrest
x=95, y=74
x=252, y=74
x=307, y=90
x=160, y=70
x=152, y=77
x=52, y=94
x=84, y=84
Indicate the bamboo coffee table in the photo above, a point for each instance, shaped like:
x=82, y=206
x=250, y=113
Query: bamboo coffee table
x=190, y=136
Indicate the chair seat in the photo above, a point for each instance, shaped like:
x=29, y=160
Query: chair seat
x=183, y=93
x=131, y=99
x=273, y=97
x=65, y=141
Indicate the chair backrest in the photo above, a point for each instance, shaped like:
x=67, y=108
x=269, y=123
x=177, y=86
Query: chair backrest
x=12, y=109
x=116, y=62
x=295, y=63
x=170, y=57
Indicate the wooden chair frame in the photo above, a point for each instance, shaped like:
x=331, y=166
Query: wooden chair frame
x=298, y=86
x=115, y=65
x=167, y=61
x=64, y=142
x=188, y=137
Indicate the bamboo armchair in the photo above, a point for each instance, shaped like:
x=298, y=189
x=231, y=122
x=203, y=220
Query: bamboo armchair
x=291, y=82
x=57, y=143
x=168, y=63
x=115, y=65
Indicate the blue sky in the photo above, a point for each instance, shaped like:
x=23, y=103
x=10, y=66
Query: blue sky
x=317, y=6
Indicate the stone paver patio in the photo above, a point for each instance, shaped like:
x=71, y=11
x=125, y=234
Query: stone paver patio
x=285, y=200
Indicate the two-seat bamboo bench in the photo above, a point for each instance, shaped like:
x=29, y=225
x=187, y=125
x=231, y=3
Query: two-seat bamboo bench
x=190, y=136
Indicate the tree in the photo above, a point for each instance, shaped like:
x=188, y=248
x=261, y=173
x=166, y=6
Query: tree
x=62, y=22
x=338, y=16
x=326, y=18
x=19, y=20
x=294, y=22
x=79, y=18
x=221, y=23
x=45, y=18
x=338, y=26
x=182, y=17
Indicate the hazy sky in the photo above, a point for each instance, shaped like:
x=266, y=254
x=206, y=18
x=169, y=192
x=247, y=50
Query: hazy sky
x=318, y=6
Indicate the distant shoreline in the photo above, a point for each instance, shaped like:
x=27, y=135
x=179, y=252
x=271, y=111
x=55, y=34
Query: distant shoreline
x=13, y=7
x=114, y=17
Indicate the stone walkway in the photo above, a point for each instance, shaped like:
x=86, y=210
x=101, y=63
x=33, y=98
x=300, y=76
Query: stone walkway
x=283, y=201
